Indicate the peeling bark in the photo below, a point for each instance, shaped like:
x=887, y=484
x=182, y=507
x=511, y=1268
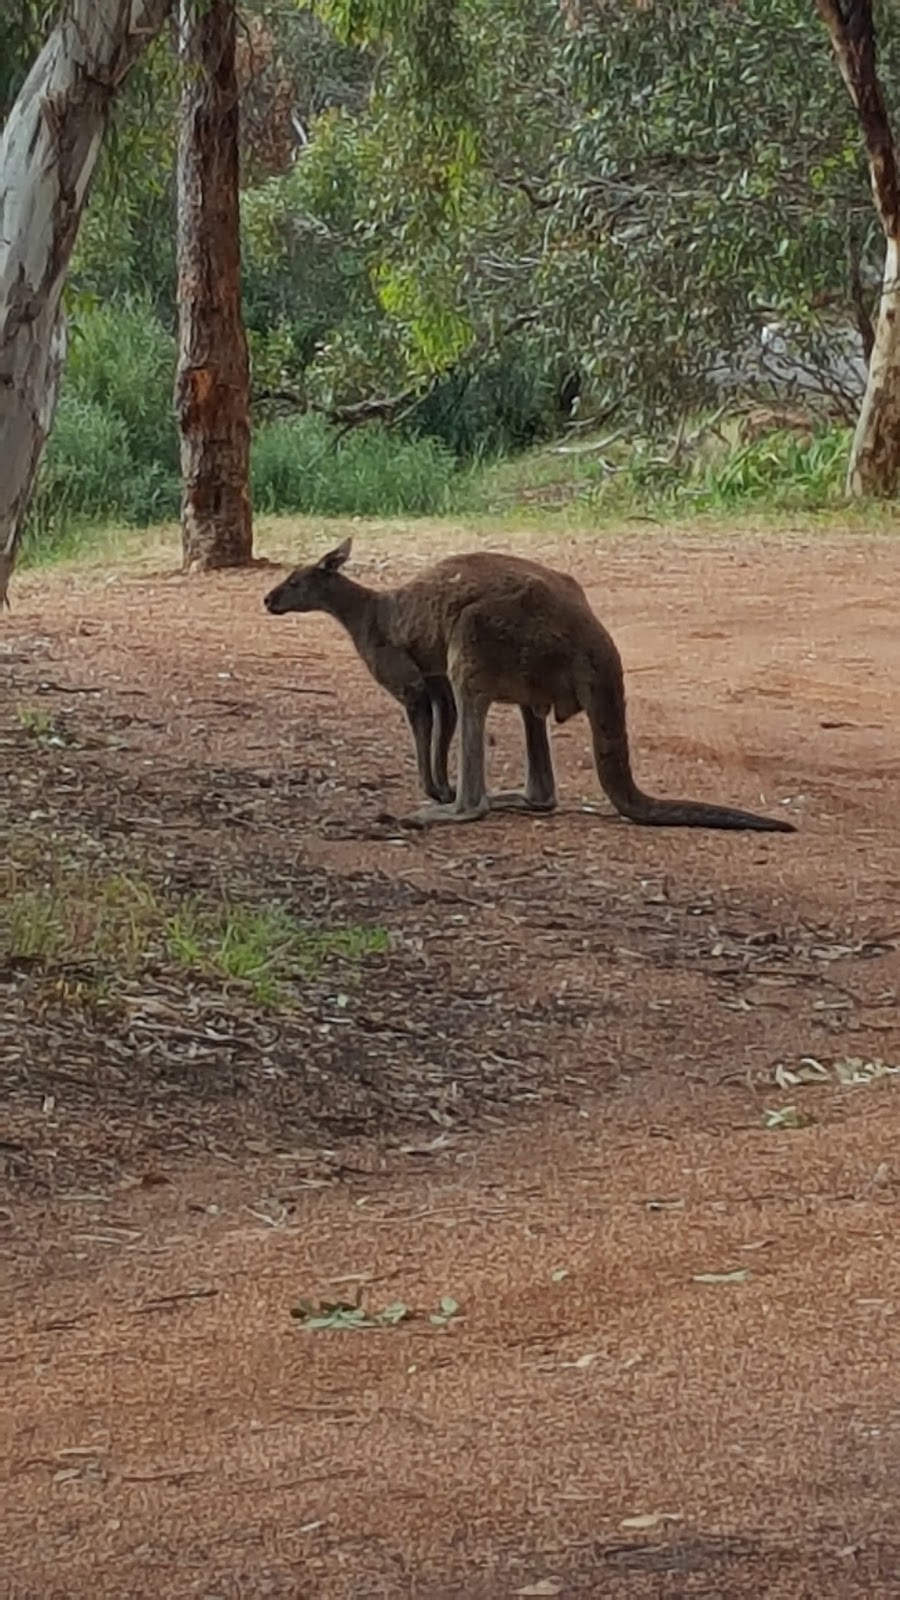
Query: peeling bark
x=875, y=457
x=48, y=153
x=212, y=387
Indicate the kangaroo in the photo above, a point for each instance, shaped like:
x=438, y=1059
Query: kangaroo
x=427, y=699
x=493, y=627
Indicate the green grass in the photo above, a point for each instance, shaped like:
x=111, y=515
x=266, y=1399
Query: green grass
x=618, y=478
x=39, y=724
x=264, y=948
x=101, y=929
x=301, y=464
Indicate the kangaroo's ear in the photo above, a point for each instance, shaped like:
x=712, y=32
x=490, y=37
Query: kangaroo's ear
x=336, y=558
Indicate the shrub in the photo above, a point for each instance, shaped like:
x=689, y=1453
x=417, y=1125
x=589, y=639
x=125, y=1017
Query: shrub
x=499, y=409
x=123, y=359
x=85, y=467
x=782, y=469
x=301, y=464
x=779, y=469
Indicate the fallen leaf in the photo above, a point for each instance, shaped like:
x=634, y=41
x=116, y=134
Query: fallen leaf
x=856, y=1069
x=448, y=1308
x=432, y=1147
x=543, y=1586
x=788, y=1117
x=650, y=1519
x=811, y=1071
x=393, y=1314
x=318, y=1315
x=740, y=1275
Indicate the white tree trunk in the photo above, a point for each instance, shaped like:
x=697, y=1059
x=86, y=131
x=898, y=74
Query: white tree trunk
x=875, y=456
x=48, y=153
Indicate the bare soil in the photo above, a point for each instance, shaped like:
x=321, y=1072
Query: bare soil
x=673, y=1369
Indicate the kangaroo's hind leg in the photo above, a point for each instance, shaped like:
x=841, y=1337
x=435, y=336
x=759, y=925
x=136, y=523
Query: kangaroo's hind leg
x=539, y=793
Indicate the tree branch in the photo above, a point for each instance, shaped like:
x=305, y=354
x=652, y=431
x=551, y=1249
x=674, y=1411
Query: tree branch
x=391, y=408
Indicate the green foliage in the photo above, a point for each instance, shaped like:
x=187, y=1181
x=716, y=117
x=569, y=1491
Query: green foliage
x=428, y=37
x=779, y=471
x=489, y=199
x=303, y=465
x=113, y=456
x=493, y=409
x=647, y=188
x=24, y=25
x=123, y=359
x=113, y=451
x=683, y=201
x=111, y=927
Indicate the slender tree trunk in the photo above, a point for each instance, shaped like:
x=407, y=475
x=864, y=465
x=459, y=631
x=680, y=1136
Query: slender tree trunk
x=48, y=152
x=875, y=457
x=212, y=387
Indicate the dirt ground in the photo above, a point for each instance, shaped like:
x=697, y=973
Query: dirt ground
x=671, y=1369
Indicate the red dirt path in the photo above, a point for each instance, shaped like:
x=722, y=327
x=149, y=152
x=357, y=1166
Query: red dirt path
x=547, y=1101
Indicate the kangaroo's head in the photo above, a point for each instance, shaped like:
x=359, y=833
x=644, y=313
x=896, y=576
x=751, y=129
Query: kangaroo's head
x=309, y=588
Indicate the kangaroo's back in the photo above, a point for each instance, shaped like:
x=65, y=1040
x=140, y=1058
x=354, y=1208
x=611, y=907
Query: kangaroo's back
x=423, y=613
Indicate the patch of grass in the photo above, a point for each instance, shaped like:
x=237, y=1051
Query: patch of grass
x=779, y=481
x=302, y=464
x=263, y=947
x=39, y=724
x=616, y=478
x=780, y=470
x=113, y=927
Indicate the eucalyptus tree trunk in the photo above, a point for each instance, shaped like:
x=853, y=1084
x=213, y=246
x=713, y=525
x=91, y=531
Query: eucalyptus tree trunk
x=875, y=457
x=48, y=152
x=212, y=387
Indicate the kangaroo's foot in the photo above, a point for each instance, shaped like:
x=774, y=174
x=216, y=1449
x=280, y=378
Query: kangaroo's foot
x=444, y=794
x=519, y=800
x=446, y=813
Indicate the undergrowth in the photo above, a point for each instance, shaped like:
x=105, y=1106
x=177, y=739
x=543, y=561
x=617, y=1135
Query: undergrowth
x=302, y=465
x=112, y=459
x=90, y=932
x=779, y=471
x=112, y=455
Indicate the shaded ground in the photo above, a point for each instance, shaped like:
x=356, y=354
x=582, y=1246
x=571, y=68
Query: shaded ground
x=547, y=1100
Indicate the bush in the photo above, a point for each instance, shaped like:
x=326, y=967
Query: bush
x=123, y=359
x=779, y=469
x=86, y=465
x=113, y=452
x=494, y=411
x=301, y=464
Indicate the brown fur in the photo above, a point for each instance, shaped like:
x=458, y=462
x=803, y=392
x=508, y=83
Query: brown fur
x=494, y=627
